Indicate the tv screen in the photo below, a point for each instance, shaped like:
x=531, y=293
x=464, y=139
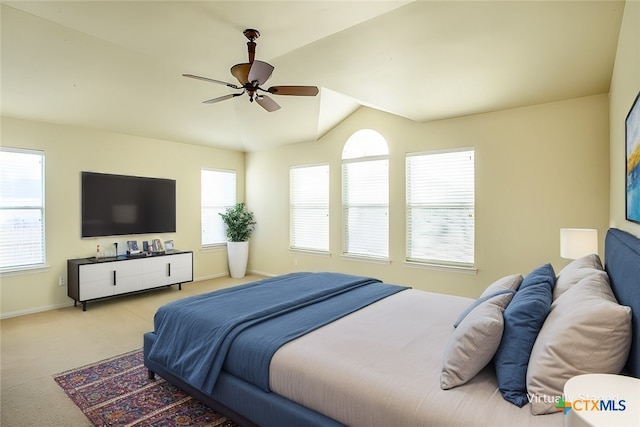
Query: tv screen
x=118, y=204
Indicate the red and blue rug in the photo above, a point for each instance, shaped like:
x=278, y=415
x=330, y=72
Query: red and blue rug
x=118, y=392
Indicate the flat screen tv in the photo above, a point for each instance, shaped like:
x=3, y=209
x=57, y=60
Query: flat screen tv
x=118, y=204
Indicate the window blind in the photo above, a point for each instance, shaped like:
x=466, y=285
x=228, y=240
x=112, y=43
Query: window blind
x=218, y=192
x=366, y=207
x=22, y=232
x=309, y=207
x=441, y=207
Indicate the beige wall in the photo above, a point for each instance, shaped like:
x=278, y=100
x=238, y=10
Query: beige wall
x=625, y=86
x=70, y=150
x=538, y=169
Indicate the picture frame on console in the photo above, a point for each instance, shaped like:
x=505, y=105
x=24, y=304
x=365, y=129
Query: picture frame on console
x=157, y=245
x=132, y=246
x=632, y=157
x=168, y=245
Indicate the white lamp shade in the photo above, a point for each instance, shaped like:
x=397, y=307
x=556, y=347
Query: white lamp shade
x=578, y=242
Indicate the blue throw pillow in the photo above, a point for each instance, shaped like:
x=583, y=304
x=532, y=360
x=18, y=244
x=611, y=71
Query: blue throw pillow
x=523, y=319
x=541, y=275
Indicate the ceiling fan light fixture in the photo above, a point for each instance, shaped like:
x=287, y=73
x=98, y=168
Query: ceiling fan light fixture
x=241, y=72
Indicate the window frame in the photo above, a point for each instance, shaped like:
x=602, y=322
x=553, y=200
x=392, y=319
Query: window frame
x=365, y=157
x=440, y=263
x=317, y=205
x=216, y=208
x=42, y=262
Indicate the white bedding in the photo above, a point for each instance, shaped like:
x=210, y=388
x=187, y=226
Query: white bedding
x=381, y=366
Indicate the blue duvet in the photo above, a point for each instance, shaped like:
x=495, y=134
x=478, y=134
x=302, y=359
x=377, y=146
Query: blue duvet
x=252, y=321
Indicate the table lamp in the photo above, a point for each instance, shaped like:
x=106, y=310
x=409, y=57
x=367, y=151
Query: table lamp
x=578, y=242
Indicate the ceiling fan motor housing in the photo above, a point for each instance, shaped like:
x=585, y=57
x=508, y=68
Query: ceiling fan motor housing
x=252, y=35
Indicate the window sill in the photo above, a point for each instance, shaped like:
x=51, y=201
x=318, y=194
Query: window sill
x=211, y=248
x=311, y=252
x=373, y=260
x=441, y=267
x=34, y=269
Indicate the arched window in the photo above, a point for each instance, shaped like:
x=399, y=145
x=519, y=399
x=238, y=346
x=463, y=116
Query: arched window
x=365, y=143
x=365, y=195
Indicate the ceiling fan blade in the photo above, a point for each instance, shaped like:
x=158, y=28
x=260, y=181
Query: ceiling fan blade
x=294, y=90
x=260, y=71
x=267, y=103
x=206, y=79
x=222, y=98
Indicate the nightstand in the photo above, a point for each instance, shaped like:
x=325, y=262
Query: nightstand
x=602, y=400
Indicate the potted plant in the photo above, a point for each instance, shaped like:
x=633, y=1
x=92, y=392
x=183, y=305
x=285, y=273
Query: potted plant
x=239, y=225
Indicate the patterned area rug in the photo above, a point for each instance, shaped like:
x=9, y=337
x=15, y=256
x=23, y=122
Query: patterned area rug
x=118, y=392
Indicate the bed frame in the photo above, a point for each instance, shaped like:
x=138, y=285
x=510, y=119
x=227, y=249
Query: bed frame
x=622, y=263
x=249, y=405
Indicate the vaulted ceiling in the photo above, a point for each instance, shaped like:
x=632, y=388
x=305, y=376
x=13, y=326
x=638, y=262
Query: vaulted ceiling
x=117, y=65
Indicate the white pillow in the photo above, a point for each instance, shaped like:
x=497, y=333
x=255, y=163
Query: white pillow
x=474, y=342
x=575, y=271
x=586, y=331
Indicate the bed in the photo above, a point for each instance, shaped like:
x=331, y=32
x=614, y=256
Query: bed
x=327, y=349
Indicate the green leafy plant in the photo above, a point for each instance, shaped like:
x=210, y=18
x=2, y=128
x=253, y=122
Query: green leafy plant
x=239, y=223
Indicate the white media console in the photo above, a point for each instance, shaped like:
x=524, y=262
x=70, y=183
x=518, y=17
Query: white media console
x=90, y=278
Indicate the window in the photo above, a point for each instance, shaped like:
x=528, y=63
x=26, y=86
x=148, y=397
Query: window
x=22, y=238
x=309, y=207
x=440, y=207
x=218, y=192
x=365, y=198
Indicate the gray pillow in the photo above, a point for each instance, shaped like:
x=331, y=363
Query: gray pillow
x=575, y=271
x=511, y=282
x=504, y=285
x=586, y=331
x=474, y=342
x=479, y=301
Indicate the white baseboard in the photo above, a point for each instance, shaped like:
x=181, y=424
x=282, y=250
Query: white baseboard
x=217, y=276
x=33, y=310
x=262, y=273
x=212, y=276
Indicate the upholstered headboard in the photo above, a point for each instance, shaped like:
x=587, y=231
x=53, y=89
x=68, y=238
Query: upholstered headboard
x=622, y=262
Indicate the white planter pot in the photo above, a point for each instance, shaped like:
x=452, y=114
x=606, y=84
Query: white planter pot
x=238, y=255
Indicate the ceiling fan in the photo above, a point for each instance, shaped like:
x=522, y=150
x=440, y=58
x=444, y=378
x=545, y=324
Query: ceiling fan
x=252, y=75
